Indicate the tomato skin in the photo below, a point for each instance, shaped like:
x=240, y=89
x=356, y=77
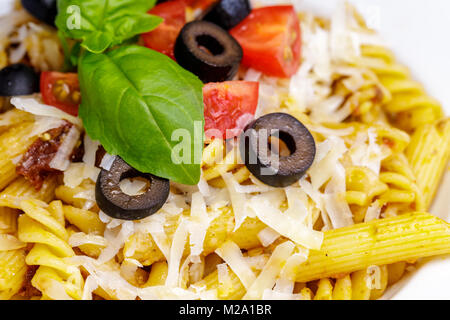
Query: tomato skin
x=229, y=106
x=48, y=83
x=163, y=38
x=271, y=40
x=200, y=4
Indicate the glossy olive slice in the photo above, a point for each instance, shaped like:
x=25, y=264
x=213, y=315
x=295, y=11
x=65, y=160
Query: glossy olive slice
x=277, y=170
x=18, y=80
x=43, y=10
x=228, y=13
x=117, y=204
x=208, y=51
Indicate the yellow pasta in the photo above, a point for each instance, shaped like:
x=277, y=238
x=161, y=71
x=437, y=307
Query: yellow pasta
x=157, y=275
x=410, y=105
x=428, y=154
x=70, y=195
x=21, y=189
x=379, y=242
x=12, y=272
x=54, y=278
x=85, y=220
x=8, y=220
x=348, y=228
x=355, y=286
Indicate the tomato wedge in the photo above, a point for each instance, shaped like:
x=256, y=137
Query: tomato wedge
x=61, y=90
x=163, y=38
x=271, y=40
x=229, y=107
x=200, y=4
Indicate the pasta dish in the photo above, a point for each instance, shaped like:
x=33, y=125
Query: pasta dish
x=201, y=149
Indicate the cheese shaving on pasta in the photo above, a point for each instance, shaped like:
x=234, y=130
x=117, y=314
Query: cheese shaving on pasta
x=285, y=224
x=176, y=253
x=232, y=255
x=267, y=277
x=33, y=105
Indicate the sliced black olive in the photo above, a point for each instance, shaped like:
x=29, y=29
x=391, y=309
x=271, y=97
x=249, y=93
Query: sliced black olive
x=18, y=80
x=117, y=204
x=269, y=166
x=228, y=13
x=208, y=51
x=43, y=10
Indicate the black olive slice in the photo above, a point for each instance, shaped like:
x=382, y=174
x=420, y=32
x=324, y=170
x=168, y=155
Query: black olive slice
x=228, y=13
x=117, y=204
x=208, y=51
x=277, y=170
x=18, y=80
x=43, y=10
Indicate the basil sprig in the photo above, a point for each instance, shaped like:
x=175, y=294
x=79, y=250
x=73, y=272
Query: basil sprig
x=101, y=24
x=133, y=100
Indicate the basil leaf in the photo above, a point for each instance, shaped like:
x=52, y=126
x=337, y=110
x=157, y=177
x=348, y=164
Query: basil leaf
x=101, y=24
x=134, y=99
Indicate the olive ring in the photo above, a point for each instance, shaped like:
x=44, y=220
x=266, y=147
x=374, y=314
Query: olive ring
x=278, y=171
x=117, y=204
x=208, y=51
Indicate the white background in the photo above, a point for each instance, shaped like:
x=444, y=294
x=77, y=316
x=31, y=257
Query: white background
x=418, y=32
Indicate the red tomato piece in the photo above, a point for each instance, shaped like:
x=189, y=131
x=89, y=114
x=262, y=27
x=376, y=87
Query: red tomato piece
x=61, y=90
x=271, y=40
x=163, y=38
x=229, y=107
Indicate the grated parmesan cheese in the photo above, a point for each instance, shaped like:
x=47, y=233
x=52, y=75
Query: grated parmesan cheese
x=33, y=104
x=176, y=253
x=284, y=224
x=116, y=240
x=232, y=255
x=272, y=269
x=199, y=222
x=61, y=160
x=267, y=236
x=90, y=150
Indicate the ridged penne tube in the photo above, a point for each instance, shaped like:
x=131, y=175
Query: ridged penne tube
x=21, y=189
x=16, y=140
x=7, y=172
x=428, y=154
x=8, y=220
x=13, y=143
x=12, y=118
x=384, y=241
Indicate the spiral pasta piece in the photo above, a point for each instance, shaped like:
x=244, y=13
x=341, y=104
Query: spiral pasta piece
x=214, y=164
x=45, y=228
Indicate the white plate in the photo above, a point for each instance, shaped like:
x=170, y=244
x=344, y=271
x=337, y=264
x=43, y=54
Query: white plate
x=417, y=31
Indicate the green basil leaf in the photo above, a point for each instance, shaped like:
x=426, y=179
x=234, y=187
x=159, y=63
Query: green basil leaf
x=101, y=24
x=134, y=99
